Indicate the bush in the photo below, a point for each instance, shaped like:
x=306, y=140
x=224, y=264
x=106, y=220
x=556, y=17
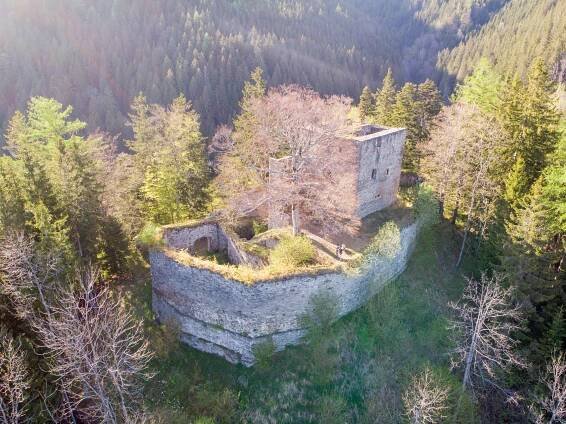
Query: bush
x=292, y=252
x=150, y=236
x=263, y=353
x=386, y=243
x=426, y=206
x=259, y=227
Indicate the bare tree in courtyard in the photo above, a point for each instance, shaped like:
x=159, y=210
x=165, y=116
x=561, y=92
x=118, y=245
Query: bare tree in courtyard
x=551, y=407
x=425, y=400
x=14, y=381
x=486, y=319
x=296, y=130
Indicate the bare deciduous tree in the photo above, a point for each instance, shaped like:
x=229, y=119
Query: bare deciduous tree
x=486, y=319
x=27, y=275
x=98, y=351
x=460, y=161
x=425, y=400
x=14, y=381
x=305, y=127
x=291, y=154
x=551, y=408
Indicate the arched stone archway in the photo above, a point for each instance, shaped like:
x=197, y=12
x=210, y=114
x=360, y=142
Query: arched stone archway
x=201, y=246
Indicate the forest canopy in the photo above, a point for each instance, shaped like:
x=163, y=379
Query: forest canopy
x=98, y=56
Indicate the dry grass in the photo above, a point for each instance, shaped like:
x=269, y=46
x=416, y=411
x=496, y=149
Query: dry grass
x=246, y=274
x=325, y=259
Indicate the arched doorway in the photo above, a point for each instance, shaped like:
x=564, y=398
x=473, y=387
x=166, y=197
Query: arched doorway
x=201, y=247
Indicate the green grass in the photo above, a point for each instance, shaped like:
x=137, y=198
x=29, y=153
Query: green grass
x=356, y=371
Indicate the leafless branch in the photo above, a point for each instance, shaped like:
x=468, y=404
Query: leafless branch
x=97, y=350
x=551, y=407
x=425, y=400
x=14, y=381
x=26, y=275
x=486, y=319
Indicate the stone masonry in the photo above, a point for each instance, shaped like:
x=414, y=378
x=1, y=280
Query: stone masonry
x=228, y=318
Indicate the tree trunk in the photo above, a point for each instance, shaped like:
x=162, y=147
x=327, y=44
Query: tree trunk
x=463, y=247
x=295, y=220
x=469, y=359
x=468, y=220
x=454, y=214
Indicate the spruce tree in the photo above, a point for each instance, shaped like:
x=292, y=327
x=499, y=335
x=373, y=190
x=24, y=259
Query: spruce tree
x=540, y=118
x=516, y=183
x=407, y=113
x=175, y=175
x=366, y=106
x=481, y=88
x=244, y=123
x=533, y=255
x=430, y=98
x=528, y=114
x=385, y=101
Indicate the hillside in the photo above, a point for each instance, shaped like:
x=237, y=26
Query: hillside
x=518, y=33
x=98, y=55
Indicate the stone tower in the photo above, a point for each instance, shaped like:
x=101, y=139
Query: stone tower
x=380, y=155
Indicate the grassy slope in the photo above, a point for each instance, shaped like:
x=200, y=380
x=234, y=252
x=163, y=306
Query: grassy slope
x=354, y=372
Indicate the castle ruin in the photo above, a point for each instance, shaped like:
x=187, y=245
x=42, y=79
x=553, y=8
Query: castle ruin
x=217, y=312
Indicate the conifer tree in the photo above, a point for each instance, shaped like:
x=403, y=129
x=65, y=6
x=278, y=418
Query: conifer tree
x=541, y=119
x=534, y=256
x=174, y=170
x=528, y=114
x=385, y=100
x=12, y=195
x=481, y=88
x=430, y=101
x=516, y=185
x=244, y=123
x=407, y=114
x=366, y=106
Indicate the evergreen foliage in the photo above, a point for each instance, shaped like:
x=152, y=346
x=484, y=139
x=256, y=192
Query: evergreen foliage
x=365, y=105
x=385, y=100
x=481, y=88
x=58, y=196
x=516, y=33
x=169, y=151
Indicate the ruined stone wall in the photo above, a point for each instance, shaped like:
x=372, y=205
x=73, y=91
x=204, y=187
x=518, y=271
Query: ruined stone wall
x=227, y=318
x=184, y=238
x=380, y=160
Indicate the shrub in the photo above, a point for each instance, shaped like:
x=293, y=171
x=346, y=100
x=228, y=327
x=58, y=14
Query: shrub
x=292, y=252
x=166, y=338
x=386, y=243
x=259, y=227
x=263, y=353
x=150, y=236
x=426, y=206
x=323, y=312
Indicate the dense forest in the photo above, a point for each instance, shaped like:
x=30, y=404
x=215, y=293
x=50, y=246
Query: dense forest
x=514, y=37
x=99, y=56
x=109, y=112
